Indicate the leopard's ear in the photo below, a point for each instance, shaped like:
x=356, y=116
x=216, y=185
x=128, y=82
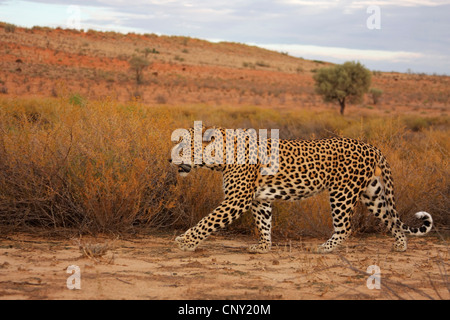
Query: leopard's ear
x=377, y=171
x=204, y=128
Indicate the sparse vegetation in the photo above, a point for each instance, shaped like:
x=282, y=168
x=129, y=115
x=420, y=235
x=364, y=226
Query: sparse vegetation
x=96, y=64
x=248, y=65
x=262, y=64
x=147, y=51
x=178, y=58
x=161, y=99
x=299, y=69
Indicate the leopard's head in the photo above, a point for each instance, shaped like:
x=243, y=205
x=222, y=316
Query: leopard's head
x=196, y=147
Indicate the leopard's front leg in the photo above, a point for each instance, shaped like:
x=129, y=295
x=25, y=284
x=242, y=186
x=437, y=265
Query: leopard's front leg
x=186, y=241
x=238, y=182
x=228, y=211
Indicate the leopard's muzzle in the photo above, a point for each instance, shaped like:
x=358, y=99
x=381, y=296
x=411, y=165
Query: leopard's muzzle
x=183, y=169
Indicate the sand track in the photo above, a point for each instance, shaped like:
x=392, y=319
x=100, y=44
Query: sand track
x=151, y=267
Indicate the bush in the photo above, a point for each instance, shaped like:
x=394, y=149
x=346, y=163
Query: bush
x=10, y=28
x=375, y=94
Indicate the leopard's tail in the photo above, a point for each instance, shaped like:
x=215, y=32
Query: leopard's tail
x=427, y=220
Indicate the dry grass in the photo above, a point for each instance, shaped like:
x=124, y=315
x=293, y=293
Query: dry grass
x=93, y=250
x=102, y=166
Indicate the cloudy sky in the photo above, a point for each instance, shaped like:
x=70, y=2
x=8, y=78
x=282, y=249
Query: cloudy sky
x=403, y=35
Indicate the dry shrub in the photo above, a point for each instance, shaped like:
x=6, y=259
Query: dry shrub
x=93, y=250
x=196, y=196
x=103, y=166
x=98, y=167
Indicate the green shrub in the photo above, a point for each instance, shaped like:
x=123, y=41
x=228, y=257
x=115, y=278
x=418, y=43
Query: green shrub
x=77, y=100
x=375, y=94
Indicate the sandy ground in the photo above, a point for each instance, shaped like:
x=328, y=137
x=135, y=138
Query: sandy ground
x=151, y=267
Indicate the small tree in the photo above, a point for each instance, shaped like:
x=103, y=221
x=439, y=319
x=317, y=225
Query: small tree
x=138, y=64
x=375, y=94
x=346, y=82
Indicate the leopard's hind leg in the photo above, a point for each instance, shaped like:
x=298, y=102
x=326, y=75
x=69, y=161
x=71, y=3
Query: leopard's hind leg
x=375, y=199
x=342, y=202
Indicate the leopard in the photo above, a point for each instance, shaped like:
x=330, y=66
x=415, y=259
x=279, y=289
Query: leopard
x=349, y=170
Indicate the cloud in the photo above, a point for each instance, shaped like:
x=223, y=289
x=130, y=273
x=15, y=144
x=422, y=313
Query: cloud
x=399, y=3
x=382, y=60
x=311, y=3
x=340, y=54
